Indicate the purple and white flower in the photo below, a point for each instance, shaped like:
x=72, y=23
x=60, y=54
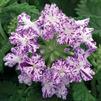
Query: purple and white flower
x=24, y=24
x=27, y=41
x=14, y=57
x=24, y=78
x=33, y=67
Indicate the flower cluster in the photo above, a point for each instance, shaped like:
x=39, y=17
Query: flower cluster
x=27, y=55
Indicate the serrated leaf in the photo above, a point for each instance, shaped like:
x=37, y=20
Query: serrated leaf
x=81, y=93
x=91, y=9
x=23, y=7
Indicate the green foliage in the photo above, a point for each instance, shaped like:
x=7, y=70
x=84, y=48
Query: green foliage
x=12, y=25
x=39, y=3
x=10, y=91
x=3, y=50
x=91, y=9
x=7, y=89
x=24, y=7
x=5, y=46
x=95, y=59
x=3, y=2
x=81, y=93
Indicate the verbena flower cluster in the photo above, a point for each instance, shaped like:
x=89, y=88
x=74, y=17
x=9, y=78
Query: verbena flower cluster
x=27, y=56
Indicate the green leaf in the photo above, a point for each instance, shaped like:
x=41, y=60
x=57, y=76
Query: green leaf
x=38, y=3
x=81, y=93
x=2, y=33
x=5, y=48
x=23, y=7
x=91, y=9
x=3, y=2
x=10, y=91
x=12, y=25
x=95, y=60
x=98, y=85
